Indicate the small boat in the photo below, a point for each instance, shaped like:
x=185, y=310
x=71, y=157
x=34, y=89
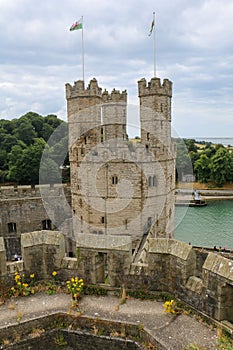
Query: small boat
x=197, y=201
x=191, y=203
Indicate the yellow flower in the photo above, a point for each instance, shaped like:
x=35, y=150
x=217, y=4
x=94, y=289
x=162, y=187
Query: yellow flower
x=25, y=285
x=32, y=275
x=54, y=273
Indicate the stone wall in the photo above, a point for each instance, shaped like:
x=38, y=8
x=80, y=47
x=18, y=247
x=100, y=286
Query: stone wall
x=26, y=209
x=169, y=266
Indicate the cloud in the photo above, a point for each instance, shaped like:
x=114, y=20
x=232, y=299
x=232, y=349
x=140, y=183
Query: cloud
x=193, y=49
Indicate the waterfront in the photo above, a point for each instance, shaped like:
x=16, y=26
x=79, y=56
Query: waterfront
x=206, y=226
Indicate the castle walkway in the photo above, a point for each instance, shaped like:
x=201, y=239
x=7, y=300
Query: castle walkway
x=172, y=332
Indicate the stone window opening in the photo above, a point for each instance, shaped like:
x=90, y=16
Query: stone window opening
x=148, y=136
x=103, y=219
x=154, y=181
x=47, y=224
x=149, y=222
x=161, y=107
x=12, y=227
x=147, y=148
x=82, y=151
x=102, y=134
x=114, y=180
x=85, y=140
x=150, y=181
x=126, y=224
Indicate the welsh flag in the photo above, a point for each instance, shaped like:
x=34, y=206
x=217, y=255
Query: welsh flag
x=77, y=25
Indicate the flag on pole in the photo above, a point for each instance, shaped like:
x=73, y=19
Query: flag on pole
x=152, y=27
x=77, y=25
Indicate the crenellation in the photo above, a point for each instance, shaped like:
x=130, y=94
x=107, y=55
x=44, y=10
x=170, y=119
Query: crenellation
x=154, y=87
x=115, y=96
x=78, y=89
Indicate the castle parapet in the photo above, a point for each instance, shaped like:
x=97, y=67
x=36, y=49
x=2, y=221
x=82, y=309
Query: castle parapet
x=115, y=96
x=26, y=191
x=155, y=87
x=78, y=89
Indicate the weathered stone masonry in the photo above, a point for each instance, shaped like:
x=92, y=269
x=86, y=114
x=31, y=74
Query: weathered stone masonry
x=116, y=189
x=172, y=267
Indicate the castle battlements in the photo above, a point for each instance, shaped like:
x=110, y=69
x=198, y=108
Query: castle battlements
x=10, y=192
x=78, y=90
x=115, y=96
x=155, y=87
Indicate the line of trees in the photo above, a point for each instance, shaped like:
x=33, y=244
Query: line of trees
x=22, y=143
x=207, y=161
x=24, y=140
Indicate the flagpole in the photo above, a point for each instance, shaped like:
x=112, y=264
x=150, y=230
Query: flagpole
x=154, y=46
x=82, y=50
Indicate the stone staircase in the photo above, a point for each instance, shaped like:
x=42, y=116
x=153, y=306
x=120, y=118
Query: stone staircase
x=140, y=261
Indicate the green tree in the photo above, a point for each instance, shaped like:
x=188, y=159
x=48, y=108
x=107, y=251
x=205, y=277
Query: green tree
x=220, y=166
x=25, y=163
x=25, y=132
x=202, y=168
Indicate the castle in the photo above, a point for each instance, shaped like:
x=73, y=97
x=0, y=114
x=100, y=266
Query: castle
x=118, y=189
x=119, y=228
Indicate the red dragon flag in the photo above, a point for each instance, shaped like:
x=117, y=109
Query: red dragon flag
x=77, y=25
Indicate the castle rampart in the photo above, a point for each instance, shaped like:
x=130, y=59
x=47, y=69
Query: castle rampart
x=171, y=267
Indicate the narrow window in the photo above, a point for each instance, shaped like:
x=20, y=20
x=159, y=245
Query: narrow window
x=161, y=107
x=148, y=136
x=114, y=180
x=102, y=134
x=147, y=148
x=126, y=224
x=149, y=222
x=47, y=224
x=82, y=151
x=12, y=227
x=85, y=140
x=154, y=180
x=102, y=220
x=150, y=181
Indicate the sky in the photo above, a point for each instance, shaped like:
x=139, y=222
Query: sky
x=194, y=49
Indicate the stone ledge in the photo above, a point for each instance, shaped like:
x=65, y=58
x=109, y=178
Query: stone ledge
x=194, y=284
x=169, y=246
x=41, y=237
x=104, y=242
x=219, y=265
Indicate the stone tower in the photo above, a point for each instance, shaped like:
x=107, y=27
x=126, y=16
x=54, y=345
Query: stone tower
x=155, y=120
x=118, y=189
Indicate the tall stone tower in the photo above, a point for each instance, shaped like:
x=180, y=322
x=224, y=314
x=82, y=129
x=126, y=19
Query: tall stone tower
x=118, y=189
x=155, y=119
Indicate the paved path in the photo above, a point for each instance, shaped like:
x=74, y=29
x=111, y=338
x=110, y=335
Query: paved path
x=174, y=332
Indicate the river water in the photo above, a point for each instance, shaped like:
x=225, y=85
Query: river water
x=206, y=226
